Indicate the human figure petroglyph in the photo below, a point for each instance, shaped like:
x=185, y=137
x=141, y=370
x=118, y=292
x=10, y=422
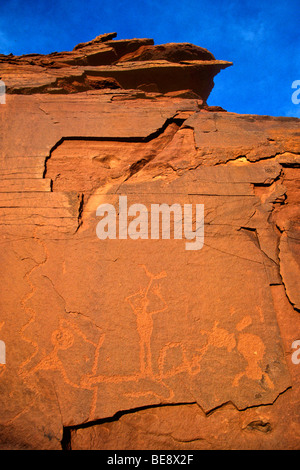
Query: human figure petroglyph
x=253, y=350
x=249, y=345
x=63, y=339
x=139, y=303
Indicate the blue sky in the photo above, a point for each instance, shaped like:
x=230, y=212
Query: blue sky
x=261, y=38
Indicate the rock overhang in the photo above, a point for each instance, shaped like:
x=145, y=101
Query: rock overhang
x=135, y=63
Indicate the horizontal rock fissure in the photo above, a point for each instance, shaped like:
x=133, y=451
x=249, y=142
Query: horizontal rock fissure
x=66, y=439
x=213, y=410
x=149, y=138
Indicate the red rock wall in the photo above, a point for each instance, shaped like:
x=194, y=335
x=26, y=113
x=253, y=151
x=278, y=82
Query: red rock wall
x=141, y=343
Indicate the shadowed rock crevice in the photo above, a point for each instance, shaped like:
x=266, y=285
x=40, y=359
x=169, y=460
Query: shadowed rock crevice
x=106, y=159
x=95, y=434
x=69, y=430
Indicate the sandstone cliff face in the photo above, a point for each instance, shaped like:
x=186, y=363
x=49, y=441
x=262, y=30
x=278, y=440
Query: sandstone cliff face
x=140, y=343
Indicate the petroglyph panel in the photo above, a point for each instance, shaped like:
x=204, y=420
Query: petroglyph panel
x=93, y=327
x=130, y=323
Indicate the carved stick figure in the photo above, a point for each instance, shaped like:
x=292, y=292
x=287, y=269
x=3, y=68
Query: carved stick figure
x=139, y=303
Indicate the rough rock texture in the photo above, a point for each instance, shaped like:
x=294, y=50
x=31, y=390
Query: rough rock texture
x=107, y=63
x=142, y=344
